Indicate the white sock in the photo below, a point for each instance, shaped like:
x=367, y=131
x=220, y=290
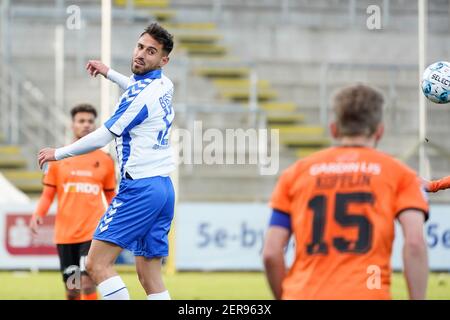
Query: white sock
x=114, y=289
x=159, y=296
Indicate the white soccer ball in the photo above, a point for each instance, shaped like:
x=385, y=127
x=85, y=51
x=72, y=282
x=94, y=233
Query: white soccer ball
x=436, y=82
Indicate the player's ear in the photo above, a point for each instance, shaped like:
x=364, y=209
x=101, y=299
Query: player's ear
x=334, y=130
x=164, y=61
x=380, y=132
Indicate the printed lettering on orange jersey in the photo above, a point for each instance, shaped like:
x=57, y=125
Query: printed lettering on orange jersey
x=344, y=174
x=82, y=173
x=81, y=187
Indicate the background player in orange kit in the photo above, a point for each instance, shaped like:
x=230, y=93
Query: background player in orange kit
x=340, y=205
x=81, y=184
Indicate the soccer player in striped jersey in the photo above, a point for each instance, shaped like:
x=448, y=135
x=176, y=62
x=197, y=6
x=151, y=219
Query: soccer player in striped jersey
x=140, y=216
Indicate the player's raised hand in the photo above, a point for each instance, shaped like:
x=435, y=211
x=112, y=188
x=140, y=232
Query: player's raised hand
x=35, y=222
x=45, y=155
x=95, y=67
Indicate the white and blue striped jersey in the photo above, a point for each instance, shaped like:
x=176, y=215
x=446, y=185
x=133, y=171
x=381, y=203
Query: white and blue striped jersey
x=141, y=125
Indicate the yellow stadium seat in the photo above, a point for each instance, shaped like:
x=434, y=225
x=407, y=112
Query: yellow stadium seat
x=197, y=38
x=278, y=106
x=223, y=72
x=203, y=49
x=144, y=3
x=225, y=83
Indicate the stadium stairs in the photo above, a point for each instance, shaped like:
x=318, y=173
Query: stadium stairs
x=14, y=167
x=288, y=90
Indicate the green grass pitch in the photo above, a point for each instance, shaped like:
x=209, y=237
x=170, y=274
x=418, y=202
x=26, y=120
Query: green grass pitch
x=186, y=285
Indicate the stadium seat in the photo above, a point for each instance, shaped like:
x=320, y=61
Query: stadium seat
x=201, y=49
x=163, y=15
x=190, y=26
x=223, y=72
x=11, y=157
x=29, y=182
x=225, y=83
x=144, y=3
x=303, y=136
x=243, y=95
x=198, y=38
x=278, y=106
x=283, y=118
x=305, y=152
x=13, y=165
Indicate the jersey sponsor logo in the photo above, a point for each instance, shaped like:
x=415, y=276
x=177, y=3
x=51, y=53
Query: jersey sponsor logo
x=81, y=173
x=81, y=187
x=345, y=167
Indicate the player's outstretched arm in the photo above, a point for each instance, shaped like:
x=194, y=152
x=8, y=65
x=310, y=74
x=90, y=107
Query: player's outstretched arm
x=415, y=258
x=96, y=67
x=45, y=201
x=437, y=185
x=277, y=239
x=93, y=141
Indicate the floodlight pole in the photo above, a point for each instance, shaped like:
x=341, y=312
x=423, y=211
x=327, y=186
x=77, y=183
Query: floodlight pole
x=422, y=32
x=106, y=59
x=5, y=45
x=105, y=91
x=60, y=77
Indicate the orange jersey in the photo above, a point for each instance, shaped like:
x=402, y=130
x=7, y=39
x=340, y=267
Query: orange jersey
x=342, y=202
x=80, y=182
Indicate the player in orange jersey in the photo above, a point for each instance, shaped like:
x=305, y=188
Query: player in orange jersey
x=340, y=205
x=81, y=184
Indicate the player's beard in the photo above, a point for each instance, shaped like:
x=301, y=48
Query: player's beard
x=142, y=71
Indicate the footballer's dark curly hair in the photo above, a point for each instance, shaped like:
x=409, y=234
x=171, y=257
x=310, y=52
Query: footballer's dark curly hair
x=83, y=107
x=161, y=35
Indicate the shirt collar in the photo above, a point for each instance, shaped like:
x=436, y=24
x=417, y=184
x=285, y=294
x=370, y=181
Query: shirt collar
x=152, y=74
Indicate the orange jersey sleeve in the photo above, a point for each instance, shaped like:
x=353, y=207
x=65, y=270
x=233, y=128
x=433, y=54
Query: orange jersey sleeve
x=437, y=185
x=45, y=201
x=411, y=194
x=51, y=177
x=281, y=199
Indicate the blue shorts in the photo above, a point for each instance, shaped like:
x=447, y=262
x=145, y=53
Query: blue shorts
x=140, y=216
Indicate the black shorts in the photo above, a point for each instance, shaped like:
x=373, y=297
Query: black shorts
x=72, y=258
